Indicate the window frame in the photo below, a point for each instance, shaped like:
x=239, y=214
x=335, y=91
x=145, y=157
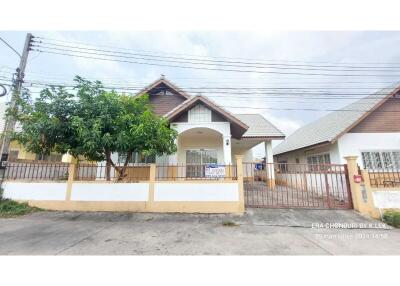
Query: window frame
x=381, y=165
x=316, y=165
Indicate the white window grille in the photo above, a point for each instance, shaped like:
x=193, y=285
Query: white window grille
x=376, y=160
x=199, y=113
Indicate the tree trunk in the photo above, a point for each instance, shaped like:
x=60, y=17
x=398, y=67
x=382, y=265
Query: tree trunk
x=108, y=165
x=121, y=170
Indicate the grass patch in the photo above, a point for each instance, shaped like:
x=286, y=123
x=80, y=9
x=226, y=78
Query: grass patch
x=392, y=218
x=229, y=223
x=9, y=208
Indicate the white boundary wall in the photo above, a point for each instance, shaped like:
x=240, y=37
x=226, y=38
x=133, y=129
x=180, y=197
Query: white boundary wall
x=114, y=192
x=226, y=192
x=387, y=199
x=110, y=192
x=45, y=191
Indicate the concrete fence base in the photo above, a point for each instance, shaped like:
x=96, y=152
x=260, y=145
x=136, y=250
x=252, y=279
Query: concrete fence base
x=372, y=202
x=203, y=196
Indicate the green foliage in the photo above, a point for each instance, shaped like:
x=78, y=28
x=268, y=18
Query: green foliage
x=392, y=218
x=9, y=208
x=229, y=223
x=92, y=122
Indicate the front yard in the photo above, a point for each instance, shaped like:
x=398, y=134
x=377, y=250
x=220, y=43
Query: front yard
x=9, y=208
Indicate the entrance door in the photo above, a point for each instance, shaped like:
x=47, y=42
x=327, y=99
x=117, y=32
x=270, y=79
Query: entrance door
x=196, y=161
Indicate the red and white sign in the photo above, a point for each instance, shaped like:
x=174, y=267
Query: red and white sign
x=357, y=178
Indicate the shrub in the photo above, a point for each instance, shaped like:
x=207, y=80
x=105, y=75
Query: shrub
x=392, y=218
x=9, y=208
x=229, y=223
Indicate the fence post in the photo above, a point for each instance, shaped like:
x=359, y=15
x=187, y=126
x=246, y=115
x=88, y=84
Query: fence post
x=369, y=207
x=239, y=170
x=355, y=188
x=152, y=181
x=72, y=172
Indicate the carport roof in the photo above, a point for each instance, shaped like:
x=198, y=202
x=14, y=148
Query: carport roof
x=259, y=127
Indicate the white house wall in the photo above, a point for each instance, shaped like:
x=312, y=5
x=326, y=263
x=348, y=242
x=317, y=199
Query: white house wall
x=197, y=142
x=354, y=143
x=302, y=155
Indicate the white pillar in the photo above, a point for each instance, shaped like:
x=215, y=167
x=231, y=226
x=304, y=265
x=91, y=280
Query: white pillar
x=226, y=143
x=269, y=157
x=269, y=160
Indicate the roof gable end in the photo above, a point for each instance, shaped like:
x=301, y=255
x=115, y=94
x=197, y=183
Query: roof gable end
x=167, y=83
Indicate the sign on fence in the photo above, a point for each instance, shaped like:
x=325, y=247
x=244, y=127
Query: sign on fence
x=215, y=171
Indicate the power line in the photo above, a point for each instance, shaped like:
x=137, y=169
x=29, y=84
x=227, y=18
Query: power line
x=228, y=90
x=274, y=97
x=215, y=69
x=153, y=57
x=220, y=57
x=8, y=45
x=232, y=91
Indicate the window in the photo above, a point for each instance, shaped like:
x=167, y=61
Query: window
x=282, y=166
x=165, y=92
x=199, y=113
x=13, y=155
x=136, y=158
x=48, y=157
x=376, y=160
x=316, y=162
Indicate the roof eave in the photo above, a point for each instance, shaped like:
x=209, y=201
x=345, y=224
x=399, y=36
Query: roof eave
x=306, y=147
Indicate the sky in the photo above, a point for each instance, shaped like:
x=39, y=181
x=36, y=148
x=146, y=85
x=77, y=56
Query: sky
x=321, y=48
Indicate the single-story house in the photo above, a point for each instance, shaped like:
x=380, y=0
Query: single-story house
x=368, y=128
x=207, y=133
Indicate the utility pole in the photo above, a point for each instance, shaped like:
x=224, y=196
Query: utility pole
x=10, y=122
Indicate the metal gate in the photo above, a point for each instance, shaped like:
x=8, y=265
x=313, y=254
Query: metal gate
x=282, y=185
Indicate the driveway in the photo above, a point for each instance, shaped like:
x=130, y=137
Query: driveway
x=258, y=232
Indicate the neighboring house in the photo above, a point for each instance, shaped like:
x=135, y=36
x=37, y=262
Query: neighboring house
x=207, y=133
x=16, y=151
x=368, y=128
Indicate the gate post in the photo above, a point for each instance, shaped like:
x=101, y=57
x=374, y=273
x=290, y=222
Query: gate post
x=152, y=181
x=239, y=170
x=72, y=173
x=355, y=188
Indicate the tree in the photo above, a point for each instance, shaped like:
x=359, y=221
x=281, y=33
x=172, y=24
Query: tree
x=93, y=123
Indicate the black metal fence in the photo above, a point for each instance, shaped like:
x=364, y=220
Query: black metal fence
x=34, y=170
x=384, y=177
x=119, y=173
x=196, y=172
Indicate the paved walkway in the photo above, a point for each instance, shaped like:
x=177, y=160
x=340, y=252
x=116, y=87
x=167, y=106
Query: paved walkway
x=259, y=231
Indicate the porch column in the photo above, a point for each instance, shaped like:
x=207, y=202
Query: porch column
x=226, y=143
x=269, y=160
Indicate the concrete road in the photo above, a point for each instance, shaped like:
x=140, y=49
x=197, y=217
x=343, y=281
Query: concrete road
x=258, y=232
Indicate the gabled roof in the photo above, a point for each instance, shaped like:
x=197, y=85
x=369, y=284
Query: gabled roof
x=169, y=84
x=186, y=105
x=330, y=127
x=259, y=127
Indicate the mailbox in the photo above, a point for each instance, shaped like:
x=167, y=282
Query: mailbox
x=357, y=178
